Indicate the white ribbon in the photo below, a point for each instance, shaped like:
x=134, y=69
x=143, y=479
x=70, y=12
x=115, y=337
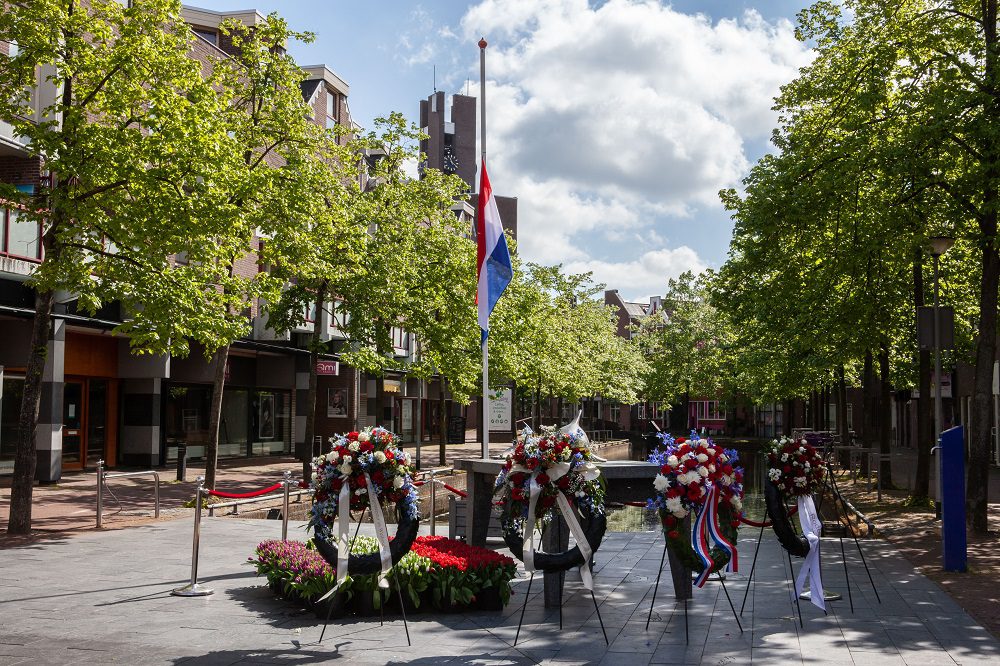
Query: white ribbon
x=811, y=529
x=554, y=473
x=381, y=534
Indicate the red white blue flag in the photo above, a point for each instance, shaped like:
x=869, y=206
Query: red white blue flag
x=493, y=264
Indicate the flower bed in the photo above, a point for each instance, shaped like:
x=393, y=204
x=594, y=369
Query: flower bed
x=439, y=572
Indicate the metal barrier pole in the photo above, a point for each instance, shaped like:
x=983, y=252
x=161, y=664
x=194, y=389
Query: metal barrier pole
x=284, y=507
x=100, y=493
x=193, y=589
x=433, y=501
x=156, y=495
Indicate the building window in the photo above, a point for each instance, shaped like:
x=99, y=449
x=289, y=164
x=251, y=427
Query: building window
x=616, y=412
x=331, y=109
x=310, y=312
x=19, y=236
x=209, y=36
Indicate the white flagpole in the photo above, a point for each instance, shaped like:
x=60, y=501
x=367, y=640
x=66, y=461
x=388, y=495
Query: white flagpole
x=482, y=163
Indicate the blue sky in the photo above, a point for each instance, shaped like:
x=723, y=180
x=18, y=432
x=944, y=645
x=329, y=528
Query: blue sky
x=614, y=123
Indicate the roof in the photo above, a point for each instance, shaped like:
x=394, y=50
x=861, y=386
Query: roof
x=636, y=310
x=324, y=73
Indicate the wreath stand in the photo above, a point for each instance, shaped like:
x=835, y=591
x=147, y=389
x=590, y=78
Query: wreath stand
x=556, y=539
x=381, y=619
x=831, y=484
x=682, y=582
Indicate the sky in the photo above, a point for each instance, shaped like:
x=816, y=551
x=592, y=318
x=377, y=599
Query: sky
x=614, y=123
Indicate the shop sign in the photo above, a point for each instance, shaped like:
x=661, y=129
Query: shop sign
x=328, y=368
x=391, y=385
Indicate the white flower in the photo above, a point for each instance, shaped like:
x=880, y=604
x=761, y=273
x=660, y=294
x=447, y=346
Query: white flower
x=674, y=506
x=727, y=480
x=661, y=483
x=360, y=491
x=397, y=482
x=774, y=474
x=315, y=476
x=364, y=437
x=806, y=466
x=702, y=457
x=334, y=456
x=723, y=457
x=710, y=451
x=353, y=446
x=802, y=449
x=379, y=457
x=345, y=469
x=702, y=471
x=711, y=468
x=672, y=461
x=580, y=493
x=784, y=457
x=736, y=502
x=800, y=481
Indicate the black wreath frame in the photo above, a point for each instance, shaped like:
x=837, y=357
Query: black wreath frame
x=370, y=563
x=775, y=500
x=595, y=523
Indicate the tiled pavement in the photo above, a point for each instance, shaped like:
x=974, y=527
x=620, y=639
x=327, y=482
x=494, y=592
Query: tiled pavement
x=103, y=597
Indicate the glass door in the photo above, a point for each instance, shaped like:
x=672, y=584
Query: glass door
x=73, y=434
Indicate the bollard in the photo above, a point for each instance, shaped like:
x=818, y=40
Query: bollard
x=284, y=507
x=100, y=493
x=193, y=589
x=182, y=451
x=433, y=501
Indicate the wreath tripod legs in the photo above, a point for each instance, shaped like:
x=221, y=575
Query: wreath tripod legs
x=791, y=583
x=752, y=569
x=850, y=525
x=657, y=586
x=524, y=607
x=722, y=581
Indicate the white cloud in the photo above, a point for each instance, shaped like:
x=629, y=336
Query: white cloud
x=645, y=276
x=609, y=121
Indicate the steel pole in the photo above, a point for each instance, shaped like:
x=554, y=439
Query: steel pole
x=100, y=493
x=433, y=500
x=193, y=589
x=284, y=507
x=938, y=409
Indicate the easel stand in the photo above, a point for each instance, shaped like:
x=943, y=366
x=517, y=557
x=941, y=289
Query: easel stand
x=719, y=576
x=381, y=608
x=524, y=607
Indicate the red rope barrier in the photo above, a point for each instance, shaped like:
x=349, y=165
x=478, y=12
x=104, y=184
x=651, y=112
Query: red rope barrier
x=256, y=493
x=455, y=490
x=753, y=523
x=638, y=504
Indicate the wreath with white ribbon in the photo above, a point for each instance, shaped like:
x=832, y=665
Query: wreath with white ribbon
x=544, y=473
x=796, y=469
x=361, y=470
x=702, y=480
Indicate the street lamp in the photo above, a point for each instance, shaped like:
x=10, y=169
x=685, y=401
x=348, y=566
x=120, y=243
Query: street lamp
x=939, y=245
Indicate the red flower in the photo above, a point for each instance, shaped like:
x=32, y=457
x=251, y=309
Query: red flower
x=673, y=534
x=352, y=436
x=518, y=494
x=542, y=479
x=563, y=482
x=680, y=440
x=669, y=520
x=665, y=469
x=517, y=478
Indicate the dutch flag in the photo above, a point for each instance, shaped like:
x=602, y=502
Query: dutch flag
x=493, y=260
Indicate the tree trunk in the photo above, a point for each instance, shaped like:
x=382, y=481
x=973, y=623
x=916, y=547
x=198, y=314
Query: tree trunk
x=215, y=419
x=979, y=441
x=687, y=409
x=538, y=405
x=868, y=399
x=845, y=434
x=443, y=415
x=314, y=346
x=25, y=457
x=885, y=417
x=789, y=421
x=925, y=431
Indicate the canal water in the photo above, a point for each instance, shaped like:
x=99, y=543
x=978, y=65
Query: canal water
x=636, y=519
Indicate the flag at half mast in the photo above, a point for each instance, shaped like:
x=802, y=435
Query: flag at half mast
x=493, y=257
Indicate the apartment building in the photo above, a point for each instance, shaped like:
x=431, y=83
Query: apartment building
x=102, y=402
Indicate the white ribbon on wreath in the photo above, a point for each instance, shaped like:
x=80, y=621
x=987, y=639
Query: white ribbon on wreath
x=343, y=528
x=811, y=529
x=556, y=472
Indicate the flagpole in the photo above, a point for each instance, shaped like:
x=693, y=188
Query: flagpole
x=482, y=163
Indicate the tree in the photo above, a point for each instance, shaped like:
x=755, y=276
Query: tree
x=687, y=344
x=281, y=184
x=129, y=134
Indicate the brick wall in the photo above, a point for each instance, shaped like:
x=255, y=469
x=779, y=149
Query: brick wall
x=19, y=170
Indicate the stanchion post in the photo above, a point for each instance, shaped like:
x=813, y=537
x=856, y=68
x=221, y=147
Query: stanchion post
x=433, y=501
x=193, y=589
x=284, y=509
x=100, y=493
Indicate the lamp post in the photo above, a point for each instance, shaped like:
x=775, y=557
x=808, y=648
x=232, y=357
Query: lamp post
x=939, y=245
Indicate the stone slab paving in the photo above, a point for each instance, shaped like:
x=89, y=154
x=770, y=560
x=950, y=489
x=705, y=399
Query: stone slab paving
x=103, y=597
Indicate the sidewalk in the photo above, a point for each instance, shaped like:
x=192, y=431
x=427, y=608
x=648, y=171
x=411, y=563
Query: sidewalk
x=103, y=597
